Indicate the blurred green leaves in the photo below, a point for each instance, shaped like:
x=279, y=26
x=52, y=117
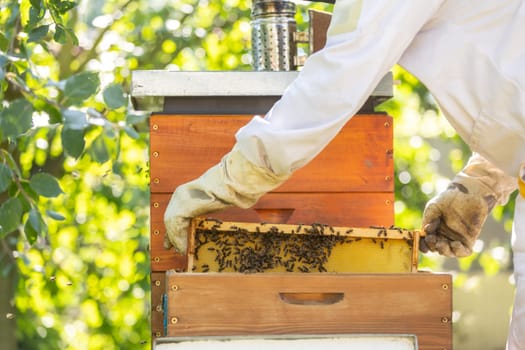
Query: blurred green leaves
x=16, y=118
x=45, y=185
x=114, y=96
x=73, y=141
x=10, y=216
x=79, y=88
x=73, y=207
x=5, y=177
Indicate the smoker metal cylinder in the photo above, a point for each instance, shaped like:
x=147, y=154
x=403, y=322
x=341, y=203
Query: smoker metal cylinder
x=273, y=29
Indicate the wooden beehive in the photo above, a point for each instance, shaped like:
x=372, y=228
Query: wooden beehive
x=215, y=304
x=350, y=183
x=216, y=246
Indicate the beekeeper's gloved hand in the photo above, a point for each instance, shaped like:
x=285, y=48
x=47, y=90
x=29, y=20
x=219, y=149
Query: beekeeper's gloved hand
x=453, y=220
x=235, y=181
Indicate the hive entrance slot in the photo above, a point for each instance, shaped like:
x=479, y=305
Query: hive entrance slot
x=311, y=298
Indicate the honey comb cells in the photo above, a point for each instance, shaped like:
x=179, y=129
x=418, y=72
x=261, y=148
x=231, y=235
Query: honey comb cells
x=248, y=248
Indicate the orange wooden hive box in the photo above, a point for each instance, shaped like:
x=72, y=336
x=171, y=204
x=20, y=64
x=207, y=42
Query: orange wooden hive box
x=330, y=189
x=349, y=183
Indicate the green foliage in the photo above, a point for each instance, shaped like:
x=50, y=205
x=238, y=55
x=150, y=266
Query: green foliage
x=45, y=185
x=79, y=87
x=10, y=214
x=114, y=96
x=6, y=176
x=73, y=206
x=16, y=118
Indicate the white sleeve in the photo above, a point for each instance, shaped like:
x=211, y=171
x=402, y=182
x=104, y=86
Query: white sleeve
x=365, y=39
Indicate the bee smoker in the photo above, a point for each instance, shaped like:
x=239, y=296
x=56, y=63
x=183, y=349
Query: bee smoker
x=273, y=29
x=274, y=35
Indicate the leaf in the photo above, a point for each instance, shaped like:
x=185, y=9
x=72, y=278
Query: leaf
x=131, y=132
x=27, y=203
x=10, y=216
x=38, y=33
x=34, y=225
x=99, y=150
x=55, y=115
x=72, y=35
x=62, y=6
x=17, y=118
x=6, y=177
x=114, y=96
x=45, y=185
x=4, y=42
x=36, y=15
x=36, y=3
x=54, y=215
x=73, y=142
x=80, y=87
x=133, y=118
x=60, y=34
x=74, y=119
x=31, y=233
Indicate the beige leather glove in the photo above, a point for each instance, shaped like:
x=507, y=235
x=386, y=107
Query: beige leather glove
x=235, y=181
x=453, y=220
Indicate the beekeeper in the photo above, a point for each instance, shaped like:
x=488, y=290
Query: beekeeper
x=471, y=56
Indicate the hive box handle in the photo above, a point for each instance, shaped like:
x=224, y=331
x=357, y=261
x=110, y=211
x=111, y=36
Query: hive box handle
x=311, y=298
x=275, y=215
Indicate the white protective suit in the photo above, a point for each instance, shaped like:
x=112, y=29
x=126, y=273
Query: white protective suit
x=471, y=56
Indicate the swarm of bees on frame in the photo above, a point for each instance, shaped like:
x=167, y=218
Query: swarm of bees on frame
x=239, y=250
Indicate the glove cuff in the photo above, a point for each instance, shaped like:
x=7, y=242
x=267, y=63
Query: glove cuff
x=482, y=176
x=237, y=181
x=234, y=181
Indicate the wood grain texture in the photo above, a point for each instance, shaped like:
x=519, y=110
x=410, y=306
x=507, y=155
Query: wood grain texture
x=225, y=304
x=319, y=23
x=158, y=288
x=358, y=159
x=336, y=209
